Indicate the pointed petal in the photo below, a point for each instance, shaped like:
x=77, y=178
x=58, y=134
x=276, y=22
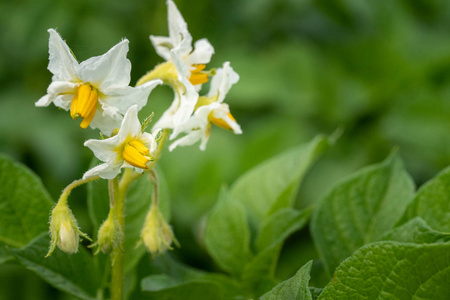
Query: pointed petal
x=104, y=150
x=106, y=121
x=162, y=45
x=202, y=53
x=62, y=63
x=55, y=89
x=124, y=97
x=222, y=82
x=109, y=70
x=187, y=140
x=130, y=124
x=105, y=171
x=178, y=31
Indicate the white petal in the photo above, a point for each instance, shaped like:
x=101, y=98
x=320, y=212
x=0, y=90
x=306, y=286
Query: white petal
x=63, y=101
x=106, y=121
x=178, y=31
x=124, y=97
x=162, y=45
x=109, y=70
x=202, y=53
x=130, y=124
x=105, y=171
x=166, y=120
x=189, y=139
x=104, y=150
x=149, y=141
x=61, y=61
x=222, y=82
x=55, y=89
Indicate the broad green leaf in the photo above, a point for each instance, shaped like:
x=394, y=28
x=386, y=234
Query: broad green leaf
x=76, y=274
x=432, y=203
x=416, y=231
x=163, y=287
x=227, y=235
x=258, y=274
x=280, y=225
x=24, y=204
x=295, y=288
x=392, y=270
x=273, y=184
x=137, y=203
x=360, y=209
x=179, y=273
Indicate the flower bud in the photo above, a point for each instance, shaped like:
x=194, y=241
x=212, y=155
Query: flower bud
x=64, y=229
x=109, y=235
x=157, y=234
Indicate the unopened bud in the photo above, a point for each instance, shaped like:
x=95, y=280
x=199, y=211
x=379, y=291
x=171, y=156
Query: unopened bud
x=157, y=234
x=64, y=230
x=109, y=235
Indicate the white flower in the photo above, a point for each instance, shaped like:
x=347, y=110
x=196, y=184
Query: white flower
x=96, y=89
x=179, y=38
x=210, y=109
x=183, y=69
x=130, y=148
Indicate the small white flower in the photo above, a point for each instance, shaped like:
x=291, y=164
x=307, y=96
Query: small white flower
x=179, y=38
x=210, y=109
x=130, y=148
x=183, y=69
x=96, y=89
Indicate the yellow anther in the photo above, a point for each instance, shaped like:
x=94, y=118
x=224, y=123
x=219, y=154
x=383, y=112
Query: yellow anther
x=220, y=122
x=84, y=104
x=134, y=154
x=139, y=147
x=197, y=76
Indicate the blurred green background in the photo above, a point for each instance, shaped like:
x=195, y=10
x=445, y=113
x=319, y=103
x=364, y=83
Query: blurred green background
x=378, y=69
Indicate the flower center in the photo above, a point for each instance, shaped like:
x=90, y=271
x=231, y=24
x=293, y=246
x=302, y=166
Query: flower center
x=197, y=76
x=220, y=121
x=84, y=104
x=135, y=153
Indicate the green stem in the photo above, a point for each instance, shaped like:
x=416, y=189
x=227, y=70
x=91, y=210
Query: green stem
x=117, y=193
x=66, y=192
x=117, y=255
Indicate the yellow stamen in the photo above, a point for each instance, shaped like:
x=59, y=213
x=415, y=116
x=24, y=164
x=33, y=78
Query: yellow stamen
x=220, y=122
x=197, y=76
x=84, y=104
x=134, y=153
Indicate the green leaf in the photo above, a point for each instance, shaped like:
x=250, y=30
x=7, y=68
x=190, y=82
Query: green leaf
x=76, y=274
x=258, y=274
x=280, y=225
x=227, y=235
x=360, y=209
x=295, y=288
x=163, y=287
x=24, y=204
x=416, y=231
x=137, y=204
x=273, y=184
x=432, y=203
x=392, y=270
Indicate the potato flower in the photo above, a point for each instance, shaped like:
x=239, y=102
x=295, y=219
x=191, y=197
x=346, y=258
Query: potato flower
x=130, y=148
x=96, y=89
x=209, y=109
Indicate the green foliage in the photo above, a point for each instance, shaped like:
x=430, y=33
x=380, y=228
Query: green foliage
x=24, y=204
x=360, y=209
x=432, y=202
x=266, y=194
x=295, y=288
x=393, y=270
x=77, y=274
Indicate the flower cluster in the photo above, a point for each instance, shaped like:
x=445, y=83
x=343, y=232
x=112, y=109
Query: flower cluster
x=98, y=91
